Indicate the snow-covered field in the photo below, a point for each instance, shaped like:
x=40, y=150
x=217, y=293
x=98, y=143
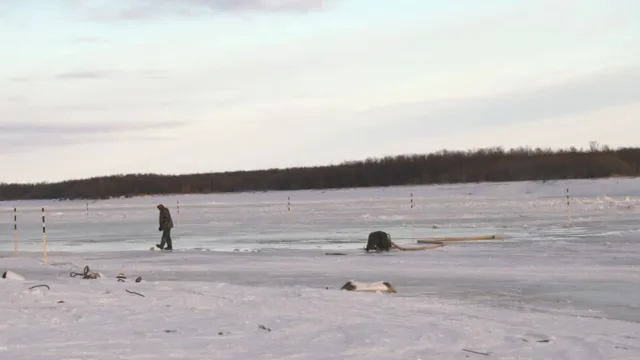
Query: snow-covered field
x=551, y=290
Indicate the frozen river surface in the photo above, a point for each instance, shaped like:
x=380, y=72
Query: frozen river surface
x=555, y=288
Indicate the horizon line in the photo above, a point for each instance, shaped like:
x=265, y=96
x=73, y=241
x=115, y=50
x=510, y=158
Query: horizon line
x=594, y=146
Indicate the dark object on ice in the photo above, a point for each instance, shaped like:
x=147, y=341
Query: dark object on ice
x=379, y=241
x=171, y=331
x=476, y=352
x=264, y=327
x=10, y=275
x=85, y=274
x=60, y=302
x=135, y=293
x=335, y=253
x=121, y=278
x=166, y=224
x=37, y=286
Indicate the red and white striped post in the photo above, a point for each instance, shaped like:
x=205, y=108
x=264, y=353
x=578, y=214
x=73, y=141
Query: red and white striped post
x=568, y=207
x=411, y=215
x=15, y=230
x=44, y=237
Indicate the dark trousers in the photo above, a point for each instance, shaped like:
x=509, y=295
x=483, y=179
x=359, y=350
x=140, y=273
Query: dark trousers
x=166, y=238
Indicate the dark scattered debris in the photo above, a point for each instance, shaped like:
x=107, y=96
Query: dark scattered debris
x=263, y=328
x=135, y=293
x=349, y=286
x=121, y=278
x=476, y=352
x=171, y=331
x=37, y=286
x=538, y=341
x=86, y=274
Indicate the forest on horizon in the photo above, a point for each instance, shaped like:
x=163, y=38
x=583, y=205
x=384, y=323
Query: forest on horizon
x=483, y=165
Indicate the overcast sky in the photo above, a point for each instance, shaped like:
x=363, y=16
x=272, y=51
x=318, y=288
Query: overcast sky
x=103, y=87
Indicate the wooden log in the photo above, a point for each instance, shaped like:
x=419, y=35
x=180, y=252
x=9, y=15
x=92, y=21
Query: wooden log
x=445, y=240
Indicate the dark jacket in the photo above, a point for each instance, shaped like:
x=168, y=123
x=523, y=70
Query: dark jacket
x=165, y=220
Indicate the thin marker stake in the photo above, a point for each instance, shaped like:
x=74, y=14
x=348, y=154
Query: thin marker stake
x=411, y=203
x=288, y=203
x=44, y=237
x=15, y=230
x=568, y=207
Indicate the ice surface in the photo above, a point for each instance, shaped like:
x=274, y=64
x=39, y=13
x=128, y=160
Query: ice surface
x=549, y=291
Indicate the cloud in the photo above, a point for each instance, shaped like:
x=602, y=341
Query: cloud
x=262, y=5
x=95, y=75
x=27, y=129
x=144, y=9
x=20, y=144
x=19, y=136
x=88, y=40
x=21, y=79
x=5, y=7
x=103, y=74
x=12, y=99
x=87, y=74
x=154, y=74
x=425, y=119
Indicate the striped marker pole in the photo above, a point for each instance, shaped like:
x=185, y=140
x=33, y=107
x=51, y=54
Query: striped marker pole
x=288, y=203
x=44, y=237
x=15, y=230
x=87, y=209
x=411, y=204
x=178, y=211
x=568, y=207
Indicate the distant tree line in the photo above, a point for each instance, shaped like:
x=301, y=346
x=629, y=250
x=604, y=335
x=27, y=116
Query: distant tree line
x=484, y=165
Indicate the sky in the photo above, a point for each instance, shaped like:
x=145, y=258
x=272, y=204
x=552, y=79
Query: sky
x=101, y=87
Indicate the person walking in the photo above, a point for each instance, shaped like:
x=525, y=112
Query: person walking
x=166, y=224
